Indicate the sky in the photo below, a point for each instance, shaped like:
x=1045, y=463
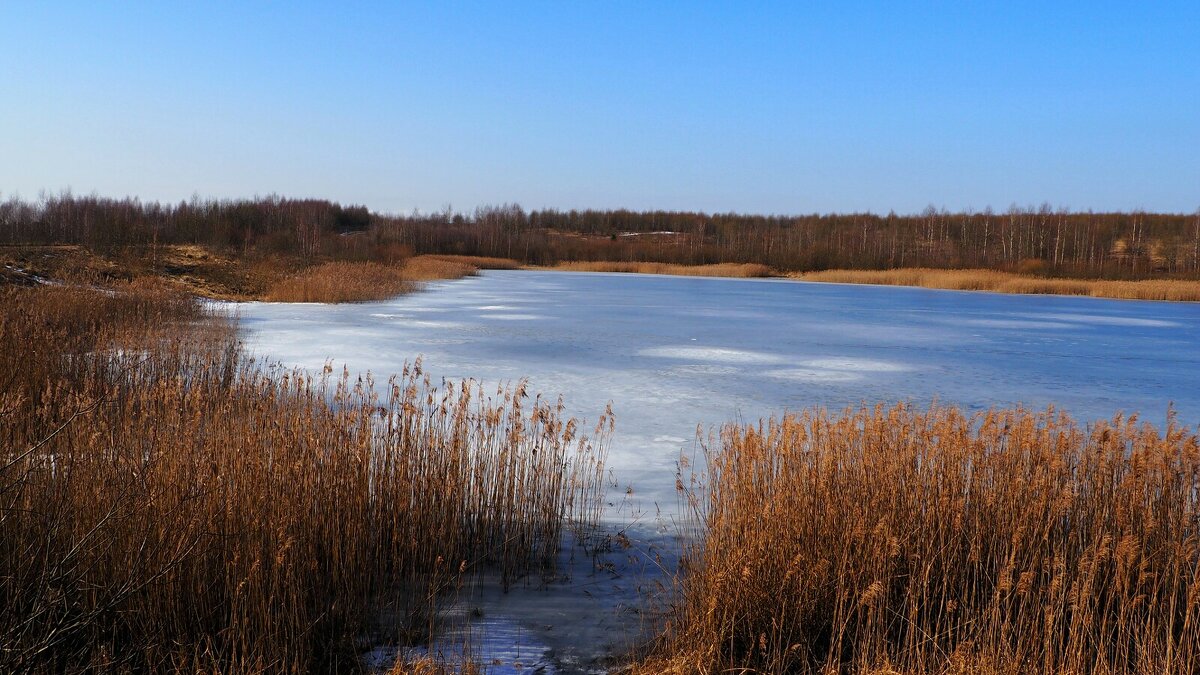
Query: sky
x=719, y=107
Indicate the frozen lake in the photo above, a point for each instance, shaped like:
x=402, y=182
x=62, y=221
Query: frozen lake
x=672, y=353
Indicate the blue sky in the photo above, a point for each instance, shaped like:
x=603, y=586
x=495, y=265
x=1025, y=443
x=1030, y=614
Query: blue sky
x=740, y=106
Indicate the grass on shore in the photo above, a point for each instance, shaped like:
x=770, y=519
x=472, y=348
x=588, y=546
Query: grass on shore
x=166, y=506
x=477, y=261
x=364, y=281
x=901, y=541
x=959, y=280
x=227, y=276
x=1005, y=282
x=342, y=282
x=736, y=270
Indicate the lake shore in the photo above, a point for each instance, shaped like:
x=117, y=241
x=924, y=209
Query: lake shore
x=1171, y=290
x=992, y=281
x=223, y=276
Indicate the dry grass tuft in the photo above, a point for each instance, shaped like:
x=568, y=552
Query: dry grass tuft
x=364, y=281
x=892, y=540
x=479, y=261
x=739, y=270
x=167, y=507
x=1004, y=282
x=341, y=282
x=427, y=268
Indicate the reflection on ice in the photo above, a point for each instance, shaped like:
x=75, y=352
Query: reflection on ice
x=702, y=369
x=437, y=325
x=1101, y=320
x=1016, y=324
x=514, y=317
x=813, y=375
x=711, y=354
x=438, y=341
x=853, y=364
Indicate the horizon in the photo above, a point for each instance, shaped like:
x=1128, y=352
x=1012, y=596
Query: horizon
x=45, y=196
x=769, y=109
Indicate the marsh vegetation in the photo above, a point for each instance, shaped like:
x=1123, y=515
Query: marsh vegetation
x=1006, y=282
x=902, y=540
x=168, y=506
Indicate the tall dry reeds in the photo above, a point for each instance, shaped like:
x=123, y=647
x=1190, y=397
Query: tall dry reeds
x=477, y=261
x=740, y=270
x=341, y=282
x=1005, y=282
x=901, y=541
x=166, y=506
x=364, y=281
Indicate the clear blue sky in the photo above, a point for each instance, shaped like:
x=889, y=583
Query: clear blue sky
x=739, y=106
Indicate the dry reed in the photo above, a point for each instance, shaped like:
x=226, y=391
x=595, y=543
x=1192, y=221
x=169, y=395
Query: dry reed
x=341, y=282
x=1004, y=282
x=899, y=541
x=166, y=506
x=478, y=261
x=364, y=281
x=428, y=268
x=739, y=270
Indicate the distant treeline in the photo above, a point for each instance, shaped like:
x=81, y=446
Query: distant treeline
x=1029, y=240
x=270, y=225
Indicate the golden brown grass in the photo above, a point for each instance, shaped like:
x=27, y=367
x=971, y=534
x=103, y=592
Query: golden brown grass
x=1004, y=282
x=478, y=261
x=364, y=281
x=740, y=270
x=167, y=507
x=226, y=276
x=426, y=268
x=895, y=540
x=341, y=282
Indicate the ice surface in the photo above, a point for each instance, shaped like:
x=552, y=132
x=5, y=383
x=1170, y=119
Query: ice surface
x=675, y=354
x=814, y=375
x=709, y=354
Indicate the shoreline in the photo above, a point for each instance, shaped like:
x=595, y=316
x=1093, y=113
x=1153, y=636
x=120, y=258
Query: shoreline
x=970, y=280
x=216, y=275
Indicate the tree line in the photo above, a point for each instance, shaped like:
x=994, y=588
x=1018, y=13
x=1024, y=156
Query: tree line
x=1032, y=240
